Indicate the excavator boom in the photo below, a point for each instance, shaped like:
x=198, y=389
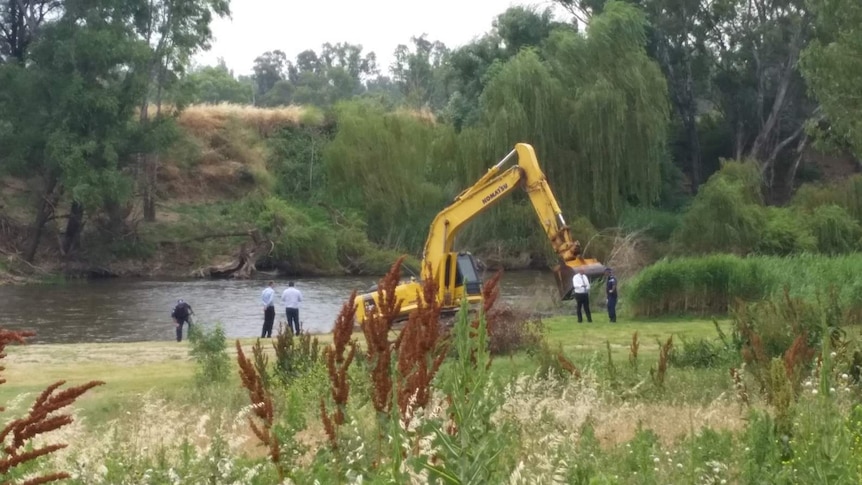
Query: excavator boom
x=455, y=272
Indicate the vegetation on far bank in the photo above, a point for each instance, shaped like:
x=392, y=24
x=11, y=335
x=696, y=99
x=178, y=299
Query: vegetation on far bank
x=342, y=168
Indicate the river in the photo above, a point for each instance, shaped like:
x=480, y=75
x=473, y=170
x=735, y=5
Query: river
x=131, y=310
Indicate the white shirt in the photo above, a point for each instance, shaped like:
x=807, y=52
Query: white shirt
x=266, y=297
x=581, y=283
x=291, y=297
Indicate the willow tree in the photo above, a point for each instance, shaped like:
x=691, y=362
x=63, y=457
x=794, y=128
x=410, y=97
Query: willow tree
x=596, y=108
x=619, y=110
x=385, y=165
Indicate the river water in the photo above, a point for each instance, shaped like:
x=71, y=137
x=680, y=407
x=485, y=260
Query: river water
x=139, y=310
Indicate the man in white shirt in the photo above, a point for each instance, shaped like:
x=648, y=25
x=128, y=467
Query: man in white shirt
x=268, y=310
x=581, y=285
x=291, y=299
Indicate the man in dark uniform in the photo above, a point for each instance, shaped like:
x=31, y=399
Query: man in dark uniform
x=182, y=314
x=611, y=292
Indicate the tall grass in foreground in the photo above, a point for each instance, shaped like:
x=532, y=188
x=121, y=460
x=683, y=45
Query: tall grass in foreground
x=709, y=285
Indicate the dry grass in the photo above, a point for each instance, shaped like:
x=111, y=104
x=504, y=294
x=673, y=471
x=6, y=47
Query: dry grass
x=206, y=118
x=544, y=406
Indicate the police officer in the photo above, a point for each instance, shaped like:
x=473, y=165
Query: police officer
x=611, y=292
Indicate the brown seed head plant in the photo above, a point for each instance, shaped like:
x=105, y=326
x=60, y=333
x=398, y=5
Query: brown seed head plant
x=421, y=350
x=490, y=292
x=337, y=365
x=262, y=407
x=633, y=351
x=17, y=436
x=376, y=330
x=663, y=356
x=796, y=360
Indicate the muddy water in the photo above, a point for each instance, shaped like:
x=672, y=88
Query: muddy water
x=139, y=310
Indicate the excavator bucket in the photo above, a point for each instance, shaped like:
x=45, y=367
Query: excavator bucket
x=564, y=272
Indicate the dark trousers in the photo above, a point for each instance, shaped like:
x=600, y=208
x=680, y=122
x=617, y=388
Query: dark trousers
x=292, y=319
x=180, y=327
x=268, y=320
x=612, y=307
x=583, y=302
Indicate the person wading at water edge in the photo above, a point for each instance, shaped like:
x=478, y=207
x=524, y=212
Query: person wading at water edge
x=268, y=310
x=182, y=314
x=582, y=295
x=291, y=299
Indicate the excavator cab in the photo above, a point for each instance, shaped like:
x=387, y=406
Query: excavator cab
x=461, y=279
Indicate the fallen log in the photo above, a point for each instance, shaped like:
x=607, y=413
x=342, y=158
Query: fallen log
x=243, y=264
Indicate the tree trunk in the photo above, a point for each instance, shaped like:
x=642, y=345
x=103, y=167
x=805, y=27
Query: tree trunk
x=43, y=213
x=73, y=228
x=149, y=188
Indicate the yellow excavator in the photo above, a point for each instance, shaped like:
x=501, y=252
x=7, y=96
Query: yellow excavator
x=456, y=273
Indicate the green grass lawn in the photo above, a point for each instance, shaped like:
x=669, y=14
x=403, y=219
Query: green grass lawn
x=131, y=370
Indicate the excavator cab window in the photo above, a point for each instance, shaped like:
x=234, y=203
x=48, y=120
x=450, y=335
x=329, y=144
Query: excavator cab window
x=467, y=275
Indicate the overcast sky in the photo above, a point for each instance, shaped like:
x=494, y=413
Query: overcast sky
x=294, y=26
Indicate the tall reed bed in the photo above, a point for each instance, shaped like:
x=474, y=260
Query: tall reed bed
x=709, y=285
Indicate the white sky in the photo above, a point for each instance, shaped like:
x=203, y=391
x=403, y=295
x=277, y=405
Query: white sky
x=258, y=26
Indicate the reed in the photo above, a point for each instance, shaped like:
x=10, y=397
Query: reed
x=710, y=285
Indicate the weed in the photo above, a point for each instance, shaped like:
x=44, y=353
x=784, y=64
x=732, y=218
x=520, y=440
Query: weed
x=209, y=350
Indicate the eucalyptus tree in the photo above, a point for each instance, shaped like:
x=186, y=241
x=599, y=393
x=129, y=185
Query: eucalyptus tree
x=20, y=21
x=419, y=71
x=757, y=44
x=70, y=108
x=174, y=30
x=832, y=67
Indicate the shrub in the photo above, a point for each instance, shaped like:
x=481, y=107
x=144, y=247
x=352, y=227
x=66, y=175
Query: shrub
x=835, y=231
x=209, y=350
x=785, y=233
x=514, y=331
x=701, y=353
x=722, y=218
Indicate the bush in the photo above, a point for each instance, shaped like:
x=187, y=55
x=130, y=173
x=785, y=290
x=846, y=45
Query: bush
x=835, y=231
x=702, y=353
x=785, y=234
x=513, y=331
x=722, y=218
x=209, y=350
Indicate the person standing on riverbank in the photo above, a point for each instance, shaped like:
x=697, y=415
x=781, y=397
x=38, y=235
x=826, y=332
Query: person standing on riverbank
x=291, y=299
x=267, y=298
x=611, y=292
x=582, y=295
x=182, y=314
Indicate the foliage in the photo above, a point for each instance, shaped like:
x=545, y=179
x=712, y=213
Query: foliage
x=831, y=67
x=726, y=215
x=382, y=162
x=834, y=230
x=209, y=350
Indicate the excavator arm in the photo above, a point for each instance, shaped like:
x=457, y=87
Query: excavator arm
x=455, y=273
x=496, y=184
